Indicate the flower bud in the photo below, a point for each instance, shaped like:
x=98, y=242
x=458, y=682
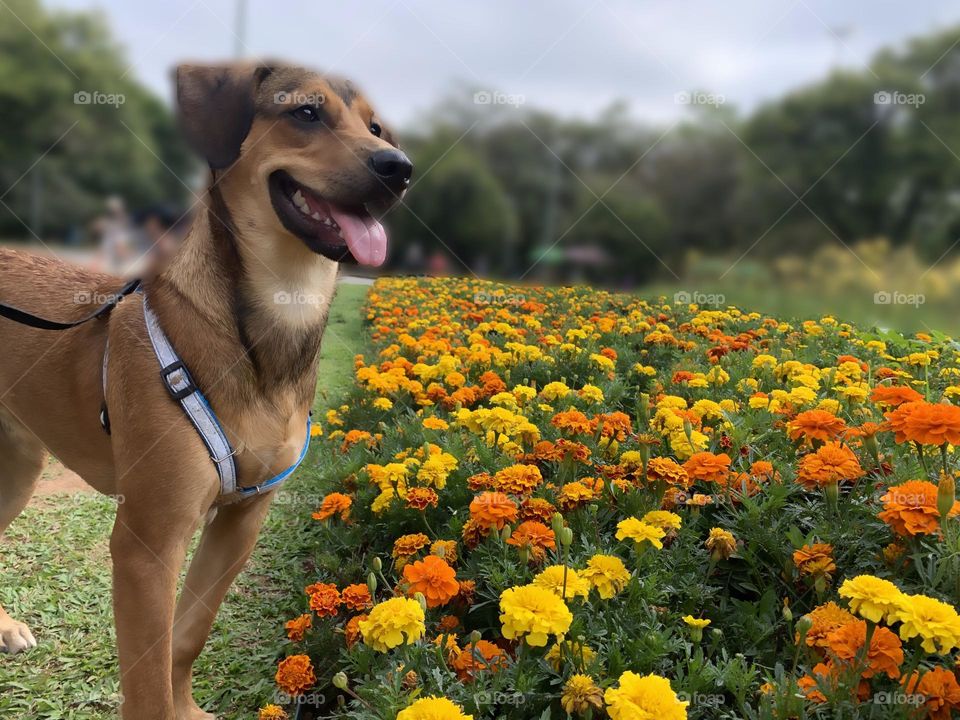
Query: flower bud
x=803, y=627
x=505, y=533
x=420, y=598
x=566, y=536
x=475, y=637
x=340, y=681
x=946, y=495
x=557, y=523
x=372, y=583
x=377, y=564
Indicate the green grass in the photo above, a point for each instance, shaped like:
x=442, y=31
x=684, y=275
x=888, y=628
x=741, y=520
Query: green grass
x=55, y=576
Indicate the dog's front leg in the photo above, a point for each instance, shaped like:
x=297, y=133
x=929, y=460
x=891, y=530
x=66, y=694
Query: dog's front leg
x=224, y=548
x=148, y=545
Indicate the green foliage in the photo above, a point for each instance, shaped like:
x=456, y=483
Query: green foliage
x=90, y=150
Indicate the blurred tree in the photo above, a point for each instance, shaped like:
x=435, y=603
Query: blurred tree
x=63, y=149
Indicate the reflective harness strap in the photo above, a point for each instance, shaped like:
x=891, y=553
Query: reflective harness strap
x=181, y=387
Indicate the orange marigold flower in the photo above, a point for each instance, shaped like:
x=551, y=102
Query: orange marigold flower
x=894, y=396
x=885, y=654
x=826, y=618
x=616, y=425
x=537, y=509
x=831, y=463
x=764, y=471
x=493, y=510
x=475, y=658
x=480, y=481
x=334, y=504
x=434, y=578
x=297, y=628
x=448, y=623
x=473, y=533
x=351, y=630
x=708, y=467
x=420, y=498
x=666, y=469
x=518, y=479
x=352, y=437
x=815, y=425
x=546, y=451
x=573, y=450
x=940, y=691
x=572, y=421
x=468, y=589
x=324, y=599
x=911, y=508
x=407, y=545
x=535, y=536
x=446, y=549
x=827, y=675
x=295, y=675
x=926, y=423
x=574, y=494
x=815, y=560
x=357, y=597
x=491, y=383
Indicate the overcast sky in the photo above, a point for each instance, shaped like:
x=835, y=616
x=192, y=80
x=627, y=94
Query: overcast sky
x=572, y=56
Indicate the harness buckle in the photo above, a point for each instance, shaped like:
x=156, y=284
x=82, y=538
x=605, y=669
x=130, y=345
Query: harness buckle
x=178, y=380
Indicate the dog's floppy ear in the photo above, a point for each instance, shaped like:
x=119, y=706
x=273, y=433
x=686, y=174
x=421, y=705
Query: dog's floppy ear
x=215, y=107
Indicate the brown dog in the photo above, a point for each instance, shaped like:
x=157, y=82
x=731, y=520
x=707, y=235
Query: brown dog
x=300, y=164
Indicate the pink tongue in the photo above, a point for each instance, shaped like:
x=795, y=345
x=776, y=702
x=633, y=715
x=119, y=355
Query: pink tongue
x=365, y=237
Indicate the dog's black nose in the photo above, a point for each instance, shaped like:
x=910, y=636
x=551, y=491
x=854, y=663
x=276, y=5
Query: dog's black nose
x=392, y=167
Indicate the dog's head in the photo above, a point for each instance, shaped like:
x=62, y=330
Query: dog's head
x=299, y=156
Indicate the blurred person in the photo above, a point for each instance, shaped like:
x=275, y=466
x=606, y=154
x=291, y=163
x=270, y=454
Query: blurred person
x=160, y=230
x=116, y=242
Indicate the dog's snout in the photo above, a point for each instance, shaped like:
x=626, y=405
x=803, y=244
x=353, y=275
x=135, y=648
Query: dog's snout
x=392, y=167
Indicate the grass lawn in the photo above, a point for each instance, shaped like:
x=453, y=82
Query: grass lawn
x=55, y=576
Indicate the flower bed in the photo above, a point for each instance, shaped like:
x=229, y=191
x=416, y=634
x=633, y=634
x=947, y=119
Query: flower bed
x=552, y=502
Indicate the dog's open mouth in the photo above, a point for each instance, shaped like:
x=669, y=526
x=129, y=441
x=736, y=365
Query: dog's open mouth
x=337, y=232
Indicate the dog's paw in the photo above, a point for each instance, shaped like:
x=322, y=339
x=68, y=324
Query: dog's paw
x=15, y=637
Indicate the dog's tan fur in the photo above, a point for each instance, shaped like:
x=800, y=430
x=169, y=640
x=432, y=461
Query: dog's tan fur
x=254, y=359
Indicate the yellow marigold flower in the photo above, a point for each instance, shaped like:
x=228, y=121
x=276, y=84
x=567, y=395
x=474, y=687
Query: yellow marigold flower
x=607, y=574
x=693, y=622
x=383, y=403
x=872, y=598
x=433, y=708
x=640, y=532
x=394, y=622
x=553, y=391
x=383, y=500
x=591, y=393
x=581, y=694
x=577, y=654
x=533, y=613
x=662, y=519
x=642, y=369
x=721, y=544
x=937, y=623
x=647, y=697
x=552, y=579
x=272, y=712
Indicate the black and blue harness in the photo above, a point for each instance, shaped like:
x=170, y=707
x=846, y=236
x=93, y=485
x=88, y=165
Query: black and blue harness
x=179, y=383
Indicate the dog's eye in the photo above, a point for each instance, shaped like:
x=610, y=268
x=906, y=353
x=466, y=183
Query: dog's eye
x=376, y=129
x=306, y=113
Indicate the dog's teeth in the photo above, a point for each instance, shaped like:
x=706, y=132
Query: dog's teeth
x=316, y=216
x=298, y=197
